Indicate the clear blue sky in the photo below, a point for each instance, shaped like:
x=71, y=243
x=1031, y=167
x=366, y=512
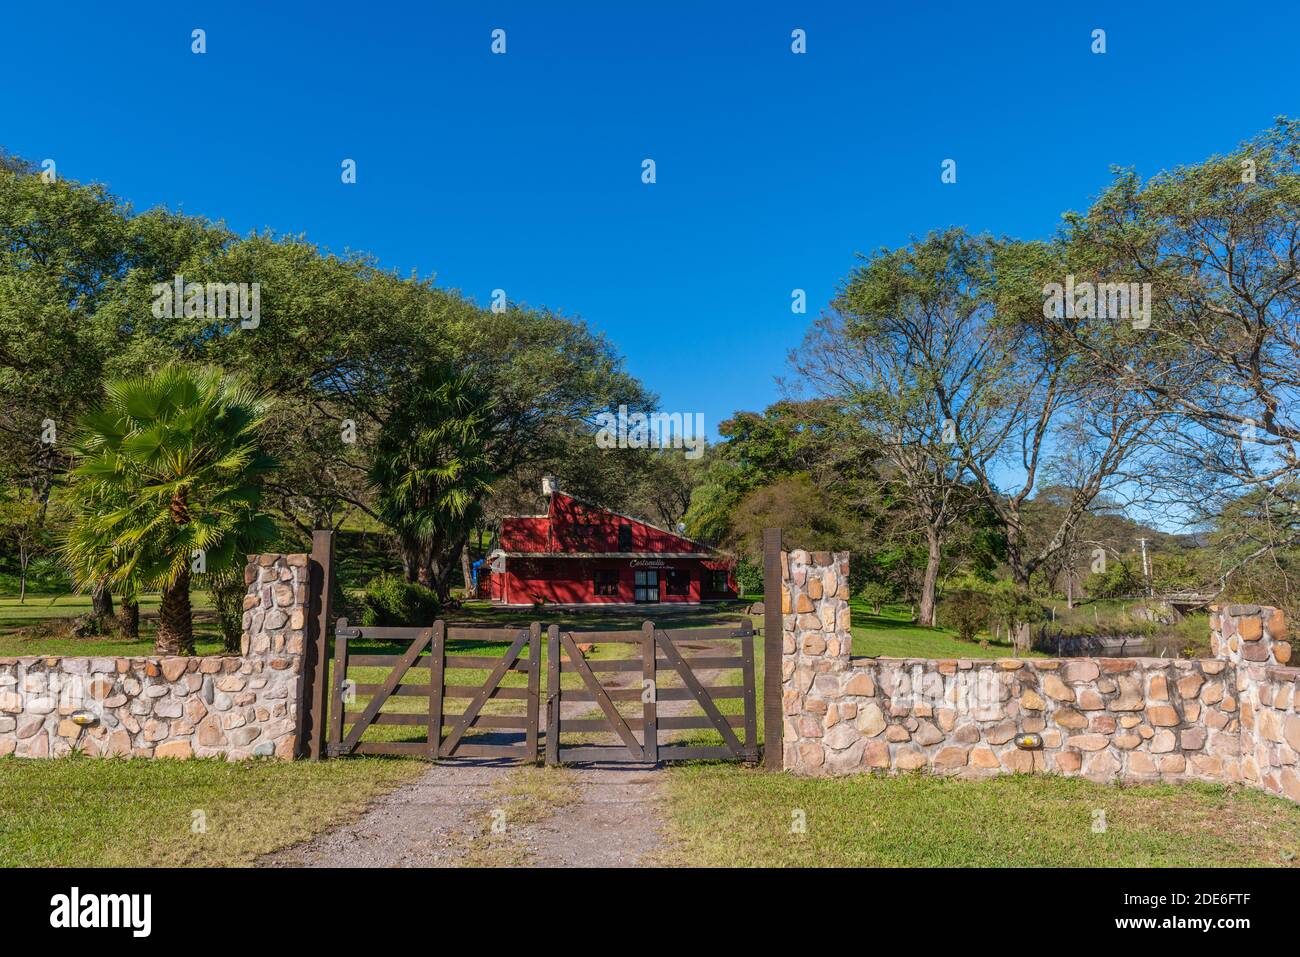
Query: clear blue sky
x=522, y=171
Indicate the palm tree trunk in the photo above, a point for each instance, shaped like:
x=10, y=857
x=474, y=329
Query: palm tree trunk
x=175, y=626
x=129, y=618
x=410, y=549
x=101, y=602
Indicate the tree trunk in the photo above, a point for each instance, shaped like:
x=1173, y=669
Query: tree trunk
x=24, y=559
x=128, y=617
x=175, y=626
x=443, y=558
x=410, y=549
x=1021, y=638
x=1020, y=571
x=931, y=578
x=101, y=602
x=468, y=573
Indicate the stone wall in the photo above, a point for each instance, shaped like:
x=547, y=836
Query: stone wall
x=232, y=706
x=1230, y=718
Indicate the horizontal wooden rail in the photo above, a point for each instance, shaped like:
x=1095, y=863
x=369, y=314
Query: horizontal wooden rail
x=390, y=717
x=467, y=750
x=416, y=748
x=384, y=661
x=483, y=662
x=706, y=634
x=469, y=691
x=401, y=691
x=637, y=664
x=461, y=633
x=669, y=723
x=662, y=694
x=674, y=634
x=517, y=722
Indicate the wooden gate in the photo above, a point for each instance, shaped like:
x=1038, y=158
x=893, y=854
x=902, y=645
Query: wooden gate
x=443, y=693
x=497, y=694
x=668, y=679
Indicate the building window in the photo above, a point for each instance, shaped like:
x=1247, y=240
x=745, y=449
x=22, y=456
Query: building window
x=646, y=584
x=607, y=583
x=625, y=538
x=679, y=581
x=718, y=580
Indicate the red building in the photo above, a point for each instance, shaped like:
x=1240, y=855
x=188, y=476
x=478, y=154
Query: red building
x=581, y=554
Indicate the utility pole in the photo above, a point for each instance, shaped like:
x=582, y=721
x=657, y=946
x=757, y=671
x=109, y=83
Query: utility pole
x=1146, y=565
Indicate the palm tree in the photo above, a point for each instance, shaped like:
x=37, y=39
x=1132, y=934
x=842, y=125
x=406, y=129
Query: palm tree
x=168, y=469
x=431, y=469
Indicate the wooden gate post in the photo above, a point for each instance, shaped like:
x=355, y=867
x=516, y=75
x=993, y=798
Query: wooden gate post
x=773, y=719
x=553, y=695
x=315, y=661
x=534, y=687
x=649, y=704
x=437, y=668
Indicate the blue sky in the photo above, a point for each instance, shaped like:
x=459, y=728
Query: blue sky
x=523, y=171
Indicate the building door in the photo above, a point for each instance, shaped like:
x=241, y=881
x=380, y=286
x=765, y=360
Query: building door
x=647, y=584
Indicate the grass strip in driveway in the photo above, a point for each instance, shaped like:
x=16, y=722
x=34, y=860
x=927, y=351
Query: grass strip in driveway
x=721, y=815
x=526, y=796
x=92, y=812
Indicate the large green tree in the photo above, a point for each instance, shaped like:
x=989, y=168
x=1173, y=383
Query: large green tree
x=1216, y=362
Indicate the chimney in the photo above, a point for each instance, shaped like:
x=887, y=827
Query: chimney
x=550, y=484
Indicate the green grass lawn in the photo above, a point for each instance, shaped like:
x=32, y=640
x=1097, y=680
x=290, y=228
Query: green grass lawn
x=732, y=816
x=891, y=634
x=88, y=812
x=21, y=632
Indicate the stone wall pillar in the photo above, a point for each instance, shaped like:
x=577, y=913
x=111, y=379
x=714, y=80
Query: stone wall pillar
x=1254, y=638
x=254, y=707
x=816, y=644
x=1249, y=634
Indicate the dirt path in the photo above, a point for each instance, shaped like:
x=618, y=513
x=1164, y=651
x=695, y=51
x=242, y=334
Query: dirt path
x=596, y=815
x=421, y=824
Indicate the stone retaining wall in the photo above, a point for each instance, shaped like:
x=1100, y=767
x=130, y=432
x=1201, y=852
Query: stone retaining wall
x=232, y=706
x=1229, y=718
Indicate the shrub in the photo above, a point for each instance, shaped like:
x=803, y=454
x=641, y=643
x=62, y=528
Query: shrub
x=876, y=594
x=1115, y=582
x=391, y=600
x=966, y=612
x=749, y=577
x=1015, y=608
x=227, y=593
